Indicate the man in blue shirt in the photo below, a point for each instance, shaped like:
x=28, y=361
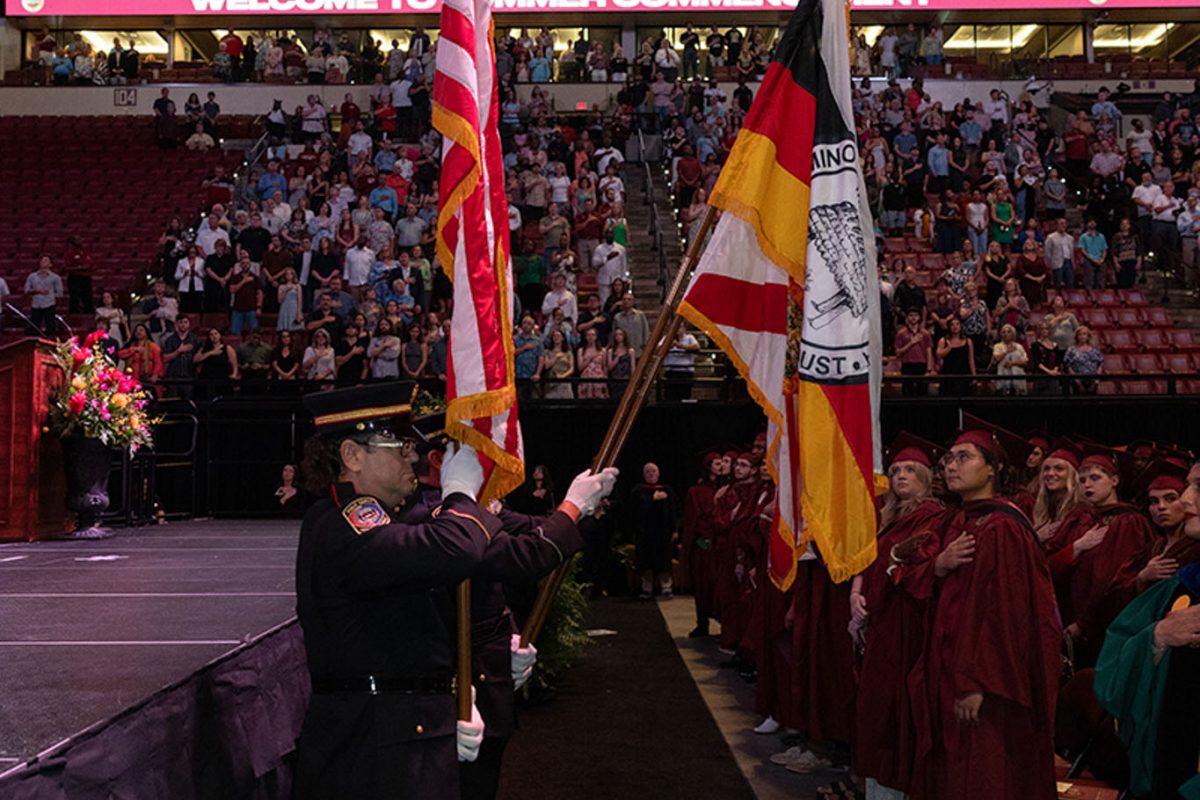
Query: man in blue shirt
x=272, y=181
x=384, y=197
x=1094, y=247
x=63, y=67
x=527, y=350
x=1105, y=106
x=938, y=159
x=705, y=145
x=906, y=144
x=341, y=302
x=385, y=159
x=972, y=134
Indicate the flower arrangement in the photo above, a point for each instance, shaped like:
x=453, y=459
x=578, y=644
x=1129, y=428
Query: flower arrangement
x=97, y=400
x=426, y=402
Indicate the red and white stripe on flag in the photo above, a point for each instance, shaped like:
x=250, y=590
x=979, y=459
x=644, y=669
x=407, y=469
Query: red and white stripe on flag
x=472, y=246
x=739, y=297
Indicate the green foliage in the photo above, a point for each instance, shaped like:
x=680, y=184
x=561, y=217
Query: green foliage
x=427, y=402
x=564, y=636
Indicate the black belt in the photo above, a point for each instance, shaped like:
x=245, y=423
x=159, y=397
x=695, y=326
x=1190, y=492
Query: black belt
x=382, y=684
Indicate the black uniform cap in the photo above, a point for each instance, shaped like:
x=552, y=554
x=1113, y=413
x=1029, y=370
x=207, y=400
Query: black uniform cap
x=431, y=431
x=381, y=407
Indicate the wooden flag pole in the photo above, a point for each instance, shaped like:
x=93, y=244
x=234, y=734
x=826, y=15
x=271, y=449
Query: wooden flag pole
x=463, y=682
x=645, y=374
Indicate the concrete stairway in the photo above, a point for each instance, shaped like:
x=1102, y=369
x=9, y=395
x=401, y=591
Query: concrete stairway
x=643, y=256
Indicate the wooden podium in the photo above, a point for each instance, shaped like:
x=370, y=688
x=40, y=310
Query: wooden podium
x=32, y=481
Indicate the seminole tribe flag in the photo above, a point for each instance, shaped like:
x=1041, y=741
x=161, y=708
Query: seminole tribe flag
x=472, y=245
x=787, y=287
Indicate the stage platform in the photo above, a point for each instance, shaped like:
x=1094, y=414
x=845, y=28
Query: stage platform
x=88, y=629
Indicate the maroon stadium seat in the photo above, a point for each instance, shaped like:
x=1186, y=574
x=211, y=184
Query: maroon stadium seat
x=1152, y=339
x=1105, y=297
x=1146, y=363
x=1118, y=340
x=1116, y=364
x=1177, y=362
x=1127, y=317
x=1181, y=339
x=1158, y=317
x=1076, y=298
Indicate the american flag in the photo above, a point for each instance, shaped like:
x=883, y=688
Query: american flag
x=472, y=245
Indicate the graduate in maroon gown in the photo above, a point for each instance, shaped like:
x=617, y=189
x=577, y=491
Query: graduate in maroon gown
x=1089, y=569
x=1162, y=483
x=765, y=612
x=1060, y=513
x=889, y=624
x=698, y=547
x=773, y=687
x=1026, y=496
x=823, y=681
x=749, y=542
x=734, y=506
x=984, y=690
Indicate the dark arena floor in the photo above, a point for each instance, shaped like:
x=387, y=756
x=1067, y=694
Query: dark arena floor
x=89, y=628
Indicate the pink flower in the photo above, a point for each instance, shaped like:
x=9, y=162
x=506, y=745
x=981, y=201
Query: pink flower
x=92, y=338
x=77, y=402
x=79, y=357
x=125, y=385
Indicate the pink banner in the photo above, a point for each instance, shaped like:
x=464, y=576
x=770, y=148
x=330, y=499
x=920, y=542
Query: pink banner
x=161, y=8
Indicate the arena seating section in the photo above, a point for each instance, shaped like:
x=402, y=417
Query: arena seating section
x=104, y=180
x=101, y=179
x=1137, y=336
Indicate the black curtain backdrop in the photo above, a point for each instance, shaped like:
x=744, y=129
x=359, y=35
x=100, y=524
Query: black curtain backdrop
x=243, y=443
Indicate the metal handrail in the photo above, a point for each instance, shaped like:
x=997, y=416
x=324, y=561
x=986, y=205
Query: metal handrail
x=58, y=318
x=249, y=162
x=656, y=236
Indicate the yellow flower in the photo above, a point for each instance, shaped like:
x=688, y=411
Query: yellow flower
x=120, y=400
x=78, y=383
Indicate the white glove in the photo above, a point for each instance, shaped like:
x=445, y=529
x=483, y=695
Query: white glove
x=523, y=659
x=470, y=734
x=588, y=489
x=461, y=471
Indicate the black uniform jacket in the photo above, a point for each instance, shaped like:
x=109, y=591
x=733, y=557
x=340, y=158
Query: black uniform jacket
x=373, y=600
x=527, y=548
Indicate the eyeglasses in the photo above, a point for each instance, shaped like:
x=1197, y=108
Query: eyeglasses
x=961, y=457
x=406, y=445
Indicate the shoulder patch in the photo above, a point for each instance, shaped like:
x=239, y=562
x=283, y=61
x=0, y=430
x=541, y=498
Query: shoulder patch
x=365, y=514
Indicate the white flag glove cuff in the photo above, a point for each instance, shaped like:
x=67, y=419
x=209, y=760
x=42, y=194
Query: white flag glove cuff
x=470, y=734
x=590, y=488
x=523, y=659
x=461, y=472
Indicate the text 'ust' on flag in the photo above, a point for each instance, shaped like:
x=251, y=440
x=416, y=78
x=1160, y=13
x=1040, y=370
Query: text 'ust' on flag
x=787, y=287
x=472, y=245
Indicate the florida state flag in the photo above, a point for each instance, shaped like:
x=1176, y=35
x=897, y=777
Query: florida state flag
x=787, y=287
x=472, y=245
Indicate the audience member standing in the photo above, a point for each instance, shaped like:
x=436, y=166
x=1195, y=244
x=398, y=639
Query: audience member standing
x=654, y=525
x=78, y=263
x=45, y=288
